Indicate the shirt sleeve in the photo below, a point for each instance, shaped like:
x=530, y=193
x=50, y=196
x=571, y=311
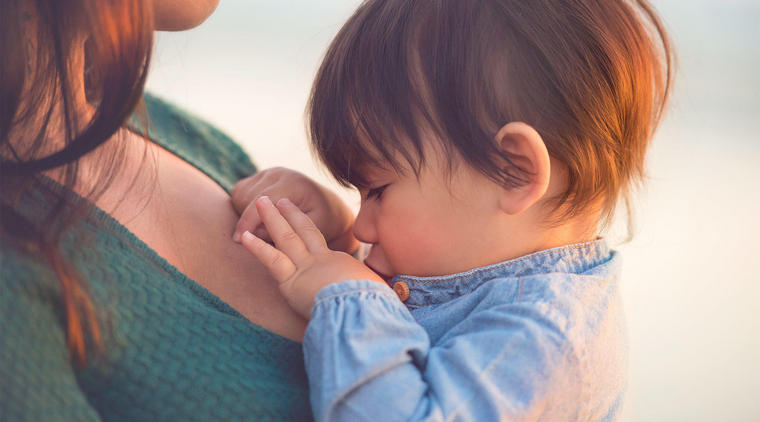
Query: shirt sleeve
x=368, y=359
x=37, y=380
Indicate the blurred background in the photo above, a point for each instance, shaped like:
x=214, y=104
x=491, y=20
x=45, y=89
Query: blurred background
x=691, y=284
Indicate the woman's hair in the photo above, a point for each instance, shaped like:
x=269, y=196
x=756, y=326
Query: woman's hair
x=37, y=38
x=591, y=76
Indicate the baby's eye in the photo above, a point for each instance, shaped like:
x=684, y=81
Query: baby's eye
x=376, y=192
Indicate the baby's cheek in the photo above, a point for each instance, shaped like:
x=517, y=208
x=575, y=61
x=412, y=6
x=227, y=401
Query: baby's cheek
x=420, y=249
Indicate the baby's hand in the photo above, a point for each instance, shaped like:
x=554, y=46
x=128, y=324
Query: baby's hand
x=333, y=218
x=301, y=262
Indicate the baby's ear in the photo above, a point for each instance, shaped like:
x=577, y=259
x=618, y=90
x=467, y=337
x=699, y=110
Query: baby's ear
x=524, y=147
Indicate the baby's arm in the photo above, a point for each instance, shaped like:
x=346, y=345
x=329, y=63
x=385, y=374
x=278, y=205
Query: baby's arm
x=368, y=359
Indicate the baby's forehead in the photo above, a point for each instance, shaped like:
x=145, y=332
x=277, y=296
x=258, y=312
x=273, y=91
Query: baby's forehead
x=369, y=173
x=435, y=160
x=380, y=147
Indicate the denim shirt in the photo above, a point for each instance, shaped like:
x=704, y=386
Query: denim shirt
x=540, y=337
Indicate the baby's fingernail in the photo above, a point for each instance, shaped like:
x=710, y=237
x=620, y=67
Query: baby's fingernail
x=247, y=235
x=285, y=202
x=236, y=237
x=265, y=200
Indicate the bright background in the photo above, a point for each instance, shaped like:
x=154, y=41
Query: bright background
x=690, y=279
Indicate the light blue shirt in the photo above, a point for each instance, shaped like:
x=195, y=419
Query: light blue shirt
x=539, y=337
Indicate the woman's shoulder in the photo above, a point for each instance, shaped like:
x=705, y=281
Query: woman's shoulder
x=193, y=139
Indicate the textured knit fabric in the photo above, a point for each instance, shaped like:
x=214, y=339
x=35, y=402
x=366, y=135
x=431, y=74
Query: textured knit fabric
x=535, y=338
x=173, y=350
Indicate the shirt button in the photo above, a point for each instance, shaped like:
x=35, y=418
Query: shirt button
x=402, y=290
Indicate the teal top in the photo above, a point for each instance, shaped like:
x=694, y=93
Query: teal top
x=173, y=350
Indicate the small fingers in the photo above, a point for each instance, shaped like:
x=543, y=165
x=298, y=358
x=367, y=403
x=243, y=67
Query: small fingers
x=285, y=238
x=247, y=190
x=278, y=264
x=241, y=193
x=303, y=226
x=249, y=220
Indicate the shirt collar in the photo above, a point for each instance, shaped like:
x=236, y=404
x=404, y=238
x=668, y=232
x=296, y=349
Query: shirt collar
x=576, y=259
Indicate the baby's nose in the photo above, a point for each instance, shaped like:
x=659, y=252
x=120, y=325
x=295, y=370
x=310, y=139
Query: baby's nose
x=364, y=227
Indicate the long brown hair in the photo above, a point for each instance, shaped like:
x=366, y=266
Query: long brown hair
x=35, y=84
x=592, y=76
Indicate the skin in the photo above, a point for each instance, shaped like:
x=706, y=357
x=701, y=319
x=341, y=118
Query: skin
x=331, y=215
x=424, y=226
x=149, y=196
x=301, y=262
x=179, y=15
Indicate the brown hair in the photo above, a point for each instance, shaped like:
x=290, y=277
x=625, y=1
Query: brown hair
x=119, y=37
x=591, y=76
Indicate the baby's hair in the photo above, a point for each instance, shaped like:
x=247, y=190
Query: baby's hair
x=591, y=76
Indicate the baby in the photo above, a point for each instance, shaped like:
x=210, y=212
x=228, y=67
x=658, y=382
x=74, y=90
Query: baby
x=490, y=142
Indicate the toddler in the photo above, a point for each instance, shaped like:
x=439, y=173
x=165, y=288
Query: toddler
x=490, y=142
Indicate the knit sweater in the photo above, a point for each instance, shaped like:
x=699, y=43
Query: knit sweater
x=173, y=350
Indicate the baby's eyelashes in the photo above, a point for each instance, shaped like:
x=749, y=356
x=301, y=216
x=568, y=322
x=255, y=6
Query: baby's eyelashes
x=376, y=193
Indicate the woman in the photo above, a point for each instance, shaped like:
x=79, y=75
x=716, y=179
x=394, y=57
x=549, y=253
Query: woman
x=123, y=296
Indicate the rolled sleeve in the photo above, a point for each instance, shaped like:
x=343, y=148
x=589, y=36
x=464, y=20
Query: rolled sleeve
x=368, y=359
x=360, y=342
